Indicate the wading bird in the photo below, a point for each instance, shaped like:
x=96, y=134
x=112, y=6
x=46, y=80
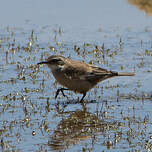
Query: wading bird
x=78, y=76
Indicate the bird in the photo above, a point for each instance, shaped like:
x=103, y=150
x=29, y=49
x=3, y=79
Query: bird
x=78, y=76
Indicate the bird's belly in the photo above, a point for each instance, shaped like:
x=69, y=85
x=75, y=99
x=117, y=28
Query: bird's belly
x=79, y=86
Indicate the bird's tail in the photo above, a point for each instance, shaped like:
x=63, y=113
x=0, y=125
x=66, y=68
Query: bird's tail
x=126, y=73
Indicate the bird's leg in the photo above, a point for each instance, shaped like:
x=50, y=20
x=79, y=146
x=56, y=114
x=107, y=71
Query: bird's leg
x=62, y=91
x=83, y=97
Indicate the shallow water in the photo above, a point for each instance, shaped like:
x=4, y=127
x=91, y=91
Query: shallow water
x=116, y=115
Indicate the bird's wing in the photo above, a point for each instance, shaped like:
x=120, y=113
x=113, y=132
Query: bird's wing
x=82, y=71
x=99, y=74
x=75, y=73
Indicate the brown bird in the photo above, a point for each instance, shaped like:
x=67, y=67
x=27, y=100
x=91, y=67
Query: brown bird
x=76, y=75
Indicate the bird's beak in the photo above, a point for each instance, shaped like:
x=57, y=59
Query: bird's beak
x=43, y=62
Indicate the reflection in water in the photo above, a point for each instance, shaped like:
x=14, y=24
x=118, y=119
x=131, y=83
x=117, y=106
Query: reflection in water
x=79, y=125
x=144, y=5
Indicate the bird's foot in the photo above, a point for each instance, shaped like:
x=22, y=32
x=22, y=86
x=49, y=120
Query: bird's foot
x=81, y=101
x=62, y=91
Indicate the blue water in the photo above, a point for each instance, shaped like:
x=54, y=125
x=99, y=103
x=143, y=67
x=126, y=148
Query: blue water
x=73, y=13
x=117, y=116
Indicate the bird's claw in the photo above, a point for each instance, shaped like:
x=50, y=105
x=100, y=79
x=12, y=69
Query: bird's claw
x=58, y=91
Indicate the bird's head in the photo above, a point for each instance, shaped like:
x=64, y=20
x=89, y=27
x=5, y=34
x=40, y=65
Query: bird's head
x=54, y=62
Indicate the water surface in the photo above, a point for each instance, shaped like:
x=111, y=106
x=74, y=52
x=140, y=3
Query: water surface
x=116, y=115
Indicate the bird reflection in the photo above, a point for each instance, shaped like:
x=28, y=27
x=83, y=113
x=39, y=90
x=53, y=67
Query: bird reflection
x=144, y=5
x=79, y=125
